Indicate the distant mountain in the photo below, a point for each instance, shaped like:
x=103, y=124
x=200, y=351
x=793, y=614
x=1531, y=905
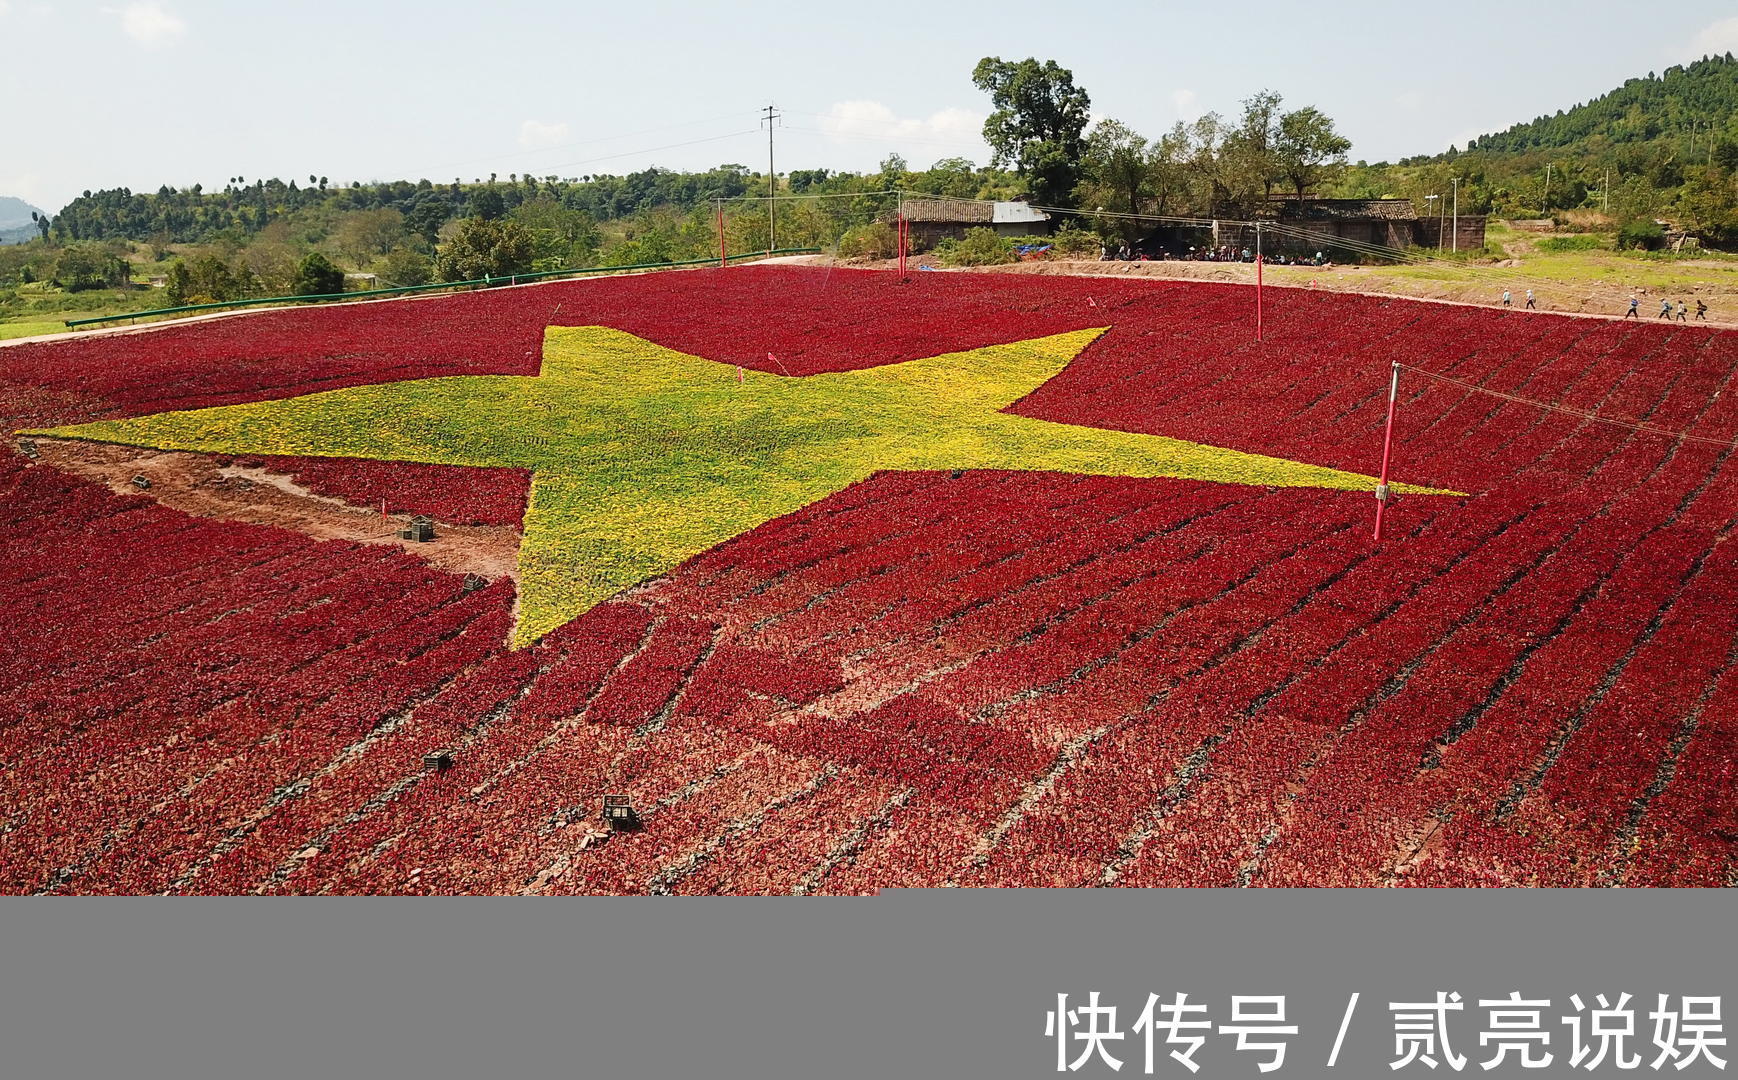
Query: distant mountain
x=14, y=212
x=15, y=223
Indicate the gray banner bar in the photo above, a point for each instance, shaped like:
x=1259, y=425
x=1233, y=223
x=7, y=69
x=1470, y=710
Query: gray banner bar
x=907, y=984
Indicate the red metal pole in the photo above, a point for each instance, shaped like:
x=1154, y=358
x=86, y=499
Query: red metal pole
x=1387, y=449
x=723, y=260
x=1258, y=299
x=901, y=234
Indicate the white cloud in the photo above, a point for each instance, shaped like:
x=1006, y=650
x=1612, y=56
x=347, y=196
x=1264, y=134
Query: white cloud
x=1411, y=100
x=956, y=130
x=1715, y=39
x=149, y=23
x=1187, y=105
x=536, y=135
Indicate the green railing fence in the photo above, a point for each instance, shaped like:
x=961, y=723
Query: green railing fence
x=513, y=279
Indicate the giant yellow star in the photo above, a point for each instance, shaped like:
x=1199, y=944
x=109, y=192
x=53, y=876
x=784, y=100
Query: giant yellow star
x=642, y=457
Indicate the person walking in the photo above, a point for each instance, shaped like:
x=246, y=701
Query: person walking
x=1665, y=309
x=1632, y=313
x=1702, y=309
x=1506, y=302
x=1530, y=305
x=1683, y=311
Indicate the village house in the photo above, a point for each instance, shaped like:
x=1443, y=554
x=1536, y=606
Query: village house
x=1392, y=223
x=930, y=220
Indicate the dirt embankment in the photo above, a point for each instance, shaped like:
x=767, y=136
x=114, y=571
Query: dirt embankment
x=196, y=484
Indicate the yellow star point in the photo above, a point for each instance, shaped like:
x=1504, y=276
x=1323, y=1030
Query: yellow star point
x=642, y=457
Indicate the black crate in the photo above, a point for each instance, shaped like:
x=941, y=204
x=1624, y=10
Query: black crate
x=420, y=529
x=618, y=813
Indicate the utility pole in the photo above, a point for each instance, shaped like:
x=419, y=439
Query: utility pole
x=1605, y=192
x=1547, y=206
x=1455, y=180
x=771, y=184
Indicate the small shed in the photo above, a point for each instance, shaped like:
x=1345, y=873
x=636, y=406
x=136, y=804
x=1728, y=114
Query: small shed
x=932, y=220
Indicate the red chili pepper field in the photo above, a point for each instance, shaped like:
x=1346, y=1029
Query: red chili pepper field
x=973, y=677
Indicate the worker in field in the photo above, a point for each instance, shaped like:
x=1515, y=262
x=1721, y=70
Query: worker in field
x=1702, y=309
x=1506, y=301
x=1633, y=313
x=1683, y=311
x=1530, y=305
x=1665, y=309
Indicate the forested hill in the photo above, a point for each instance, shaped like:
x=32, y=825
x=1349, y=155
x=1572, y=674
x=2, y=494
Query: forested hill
x=243, y=207
x=1663, y=146
x=1686, y=103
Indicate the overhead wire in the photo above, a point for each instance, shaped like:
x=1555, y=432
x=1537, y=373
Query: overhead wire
x=586, y=142
x=1582, y=414
x=655, y=149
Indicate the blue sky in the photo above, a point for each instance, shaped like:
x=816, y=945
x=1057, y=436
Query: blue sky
x=140, y=93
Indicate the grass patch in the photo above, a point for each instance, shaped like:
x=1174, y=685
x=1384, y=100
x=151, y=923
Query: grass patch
x=1557, y=245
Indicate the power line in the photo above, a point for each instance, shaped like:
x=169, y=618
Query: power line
x=655, y=149
x=819, y=195
x=584, y=142
x=1633, y=425
x=953, y=143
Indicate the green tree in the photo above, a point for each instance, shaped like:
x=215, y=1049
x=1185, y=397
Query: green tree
x=1167, y=171
x=1116, y=172
x=272, y=256
x=483, y=248
x=316, y=276
x=953, y=177
x=1307, y=150
x=426, y=218
x=207, y=280
x=1641, y=233
x=488, y=203
x=403, y=266
x=89, y=266
x=1708, y=202
x=560, y=237
x=895, y=173
x=1249, y=149
x=1038, y=123
x=1209, y=152
x=875, y=240
x=364, y=235
x=176, y=284
x=979, y=247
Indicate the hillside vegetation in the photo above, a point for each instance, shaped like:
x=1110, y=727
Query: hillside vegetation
x=1667, y=144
